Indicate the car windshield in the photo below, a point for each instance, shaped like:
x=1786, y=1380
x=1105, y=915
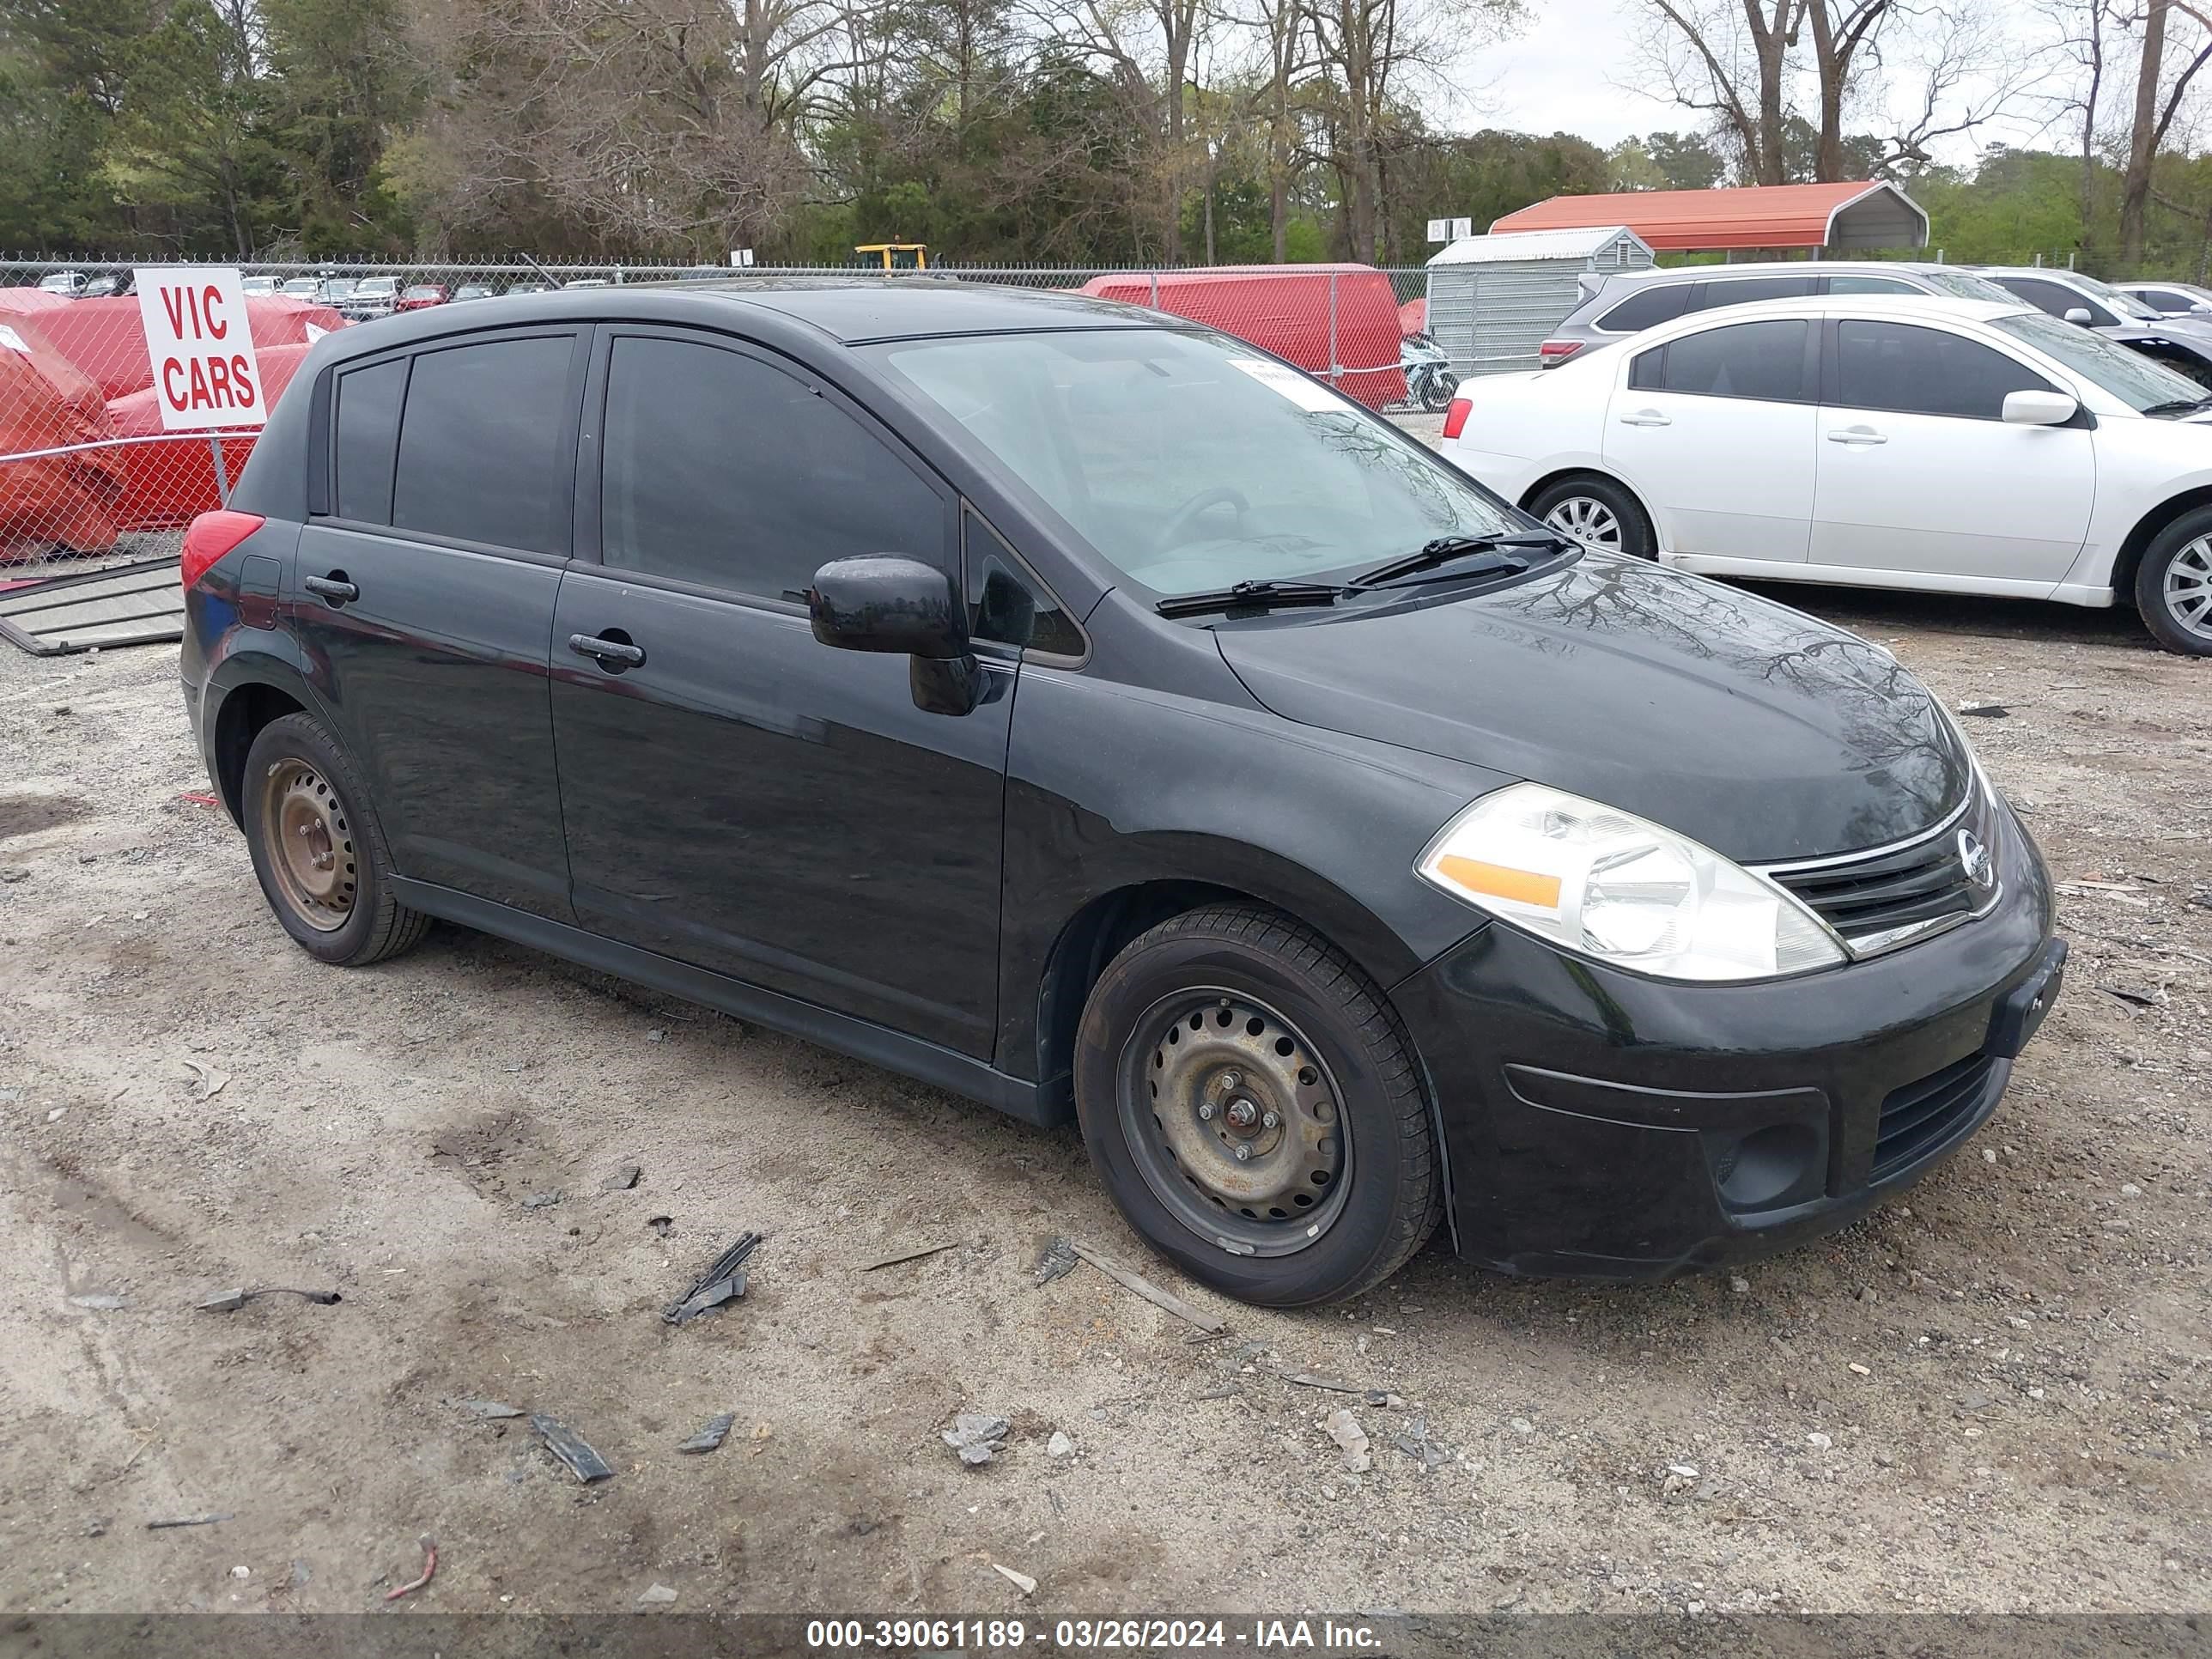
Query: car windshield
x=378, y=285
x=425, y=291
x=1964, y=285
x=2138, y=381
x=1190, y=462
x=337, y=289
x=299, y=286
x=2126, y=304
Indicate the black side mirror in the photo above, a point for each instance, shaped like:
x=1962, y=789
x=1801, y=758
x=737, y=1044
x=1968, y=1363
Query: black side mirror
x=881, y=602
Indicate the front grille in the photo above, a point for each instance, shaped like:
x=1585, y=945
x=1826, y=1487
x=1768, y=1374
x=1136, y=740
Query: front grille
x=1923, y=1114
x=1879, y=900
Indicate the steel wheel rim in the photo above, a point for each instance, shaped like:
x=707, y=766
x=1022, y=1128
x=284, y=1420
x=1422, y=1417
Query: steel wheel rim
x=1589, y=521
x=310, y=841
x=1203, y=1071
x=2187, y=590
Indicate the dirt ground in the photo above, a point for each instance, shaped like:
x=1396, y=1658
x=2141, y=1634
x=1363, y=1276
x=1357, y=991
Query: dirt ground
x=1992, y=1394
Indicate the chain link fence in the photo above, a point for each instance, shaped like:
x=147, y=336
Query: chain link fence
x=87, y=476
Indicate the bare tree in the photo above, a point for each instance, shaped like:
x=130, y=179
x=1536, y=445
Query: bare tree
x=1729, y=61
x=1844, y=37
x=2158, y=101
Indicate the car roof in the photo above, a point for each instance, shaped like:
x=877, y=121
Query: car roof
x=850, y=309
x=2056, y=273
x=1781, y=268
x=1938, y=307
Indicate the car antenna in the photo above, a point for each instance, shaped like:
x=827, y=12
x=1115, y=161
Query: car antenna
x=535, y=266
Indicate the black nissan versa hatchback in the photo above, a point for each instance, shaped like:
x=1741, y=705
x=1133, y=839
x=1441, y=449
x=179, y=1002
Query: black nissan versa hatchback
x=1082, y=711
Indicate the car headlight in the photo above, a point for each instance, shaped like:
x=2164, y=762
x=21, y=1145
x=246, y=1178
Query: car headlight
x=1622, y=888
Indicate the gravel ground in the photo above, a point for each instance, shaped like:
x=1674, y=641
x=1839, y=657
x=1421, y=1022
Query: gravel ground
x=1990, y=1395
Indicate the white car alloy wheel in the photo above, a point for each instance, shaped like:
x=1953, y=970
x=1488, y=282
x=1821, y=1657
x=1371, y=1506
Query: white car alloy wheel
x=2188, y=587
x=1589, y=522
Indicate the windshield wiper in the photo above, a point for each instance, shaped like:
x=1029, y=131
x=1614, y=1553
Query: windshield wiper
x=1252, y=596
x=1447, y=549
x=2178, y=407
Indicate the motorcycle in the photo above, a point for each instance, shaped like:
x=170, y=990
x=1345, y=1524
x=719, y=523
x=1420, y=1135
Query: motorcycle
x=1427, y=368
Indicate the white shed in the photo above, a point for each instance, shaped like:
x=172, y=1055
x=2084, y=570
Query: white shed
x=1493, y=300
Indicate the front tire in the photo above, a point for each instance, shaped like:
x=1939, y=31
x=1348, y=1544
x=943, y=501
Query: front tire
x=2173, y=585
x=317, y=850
x=1597, y=513
x=1438, y=390
x=1255, y=1111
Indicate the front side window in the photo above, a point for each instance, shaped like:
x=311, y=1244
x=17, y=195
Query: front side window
x=2135, y=379
x=1763, y=360
x=2056, y=299
x=1927, y=371
x=480, y=444
x=1188, y=461
x=723, y=469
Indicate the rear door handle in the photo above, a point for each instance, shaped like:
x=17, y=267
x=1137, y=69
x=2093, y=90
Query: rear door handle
x=621, y=651
x=1856, y=434
x=334, y=587
x=1645, y=417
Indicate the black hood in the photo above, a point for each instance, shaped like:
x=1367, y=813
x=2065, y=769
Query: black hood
x=1754, y=728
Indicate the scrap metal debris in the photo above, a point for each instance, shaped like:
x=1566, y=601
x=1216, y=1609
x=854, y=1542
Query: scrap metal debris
x=232, y=1301
x=1059, y=1258
x=975, y=1435
x=191, y=1521
x=210, y=1081
x=716, y=1431
x=721, y=1282
x=429, y=1569
x=1144, y=1287
x=915, y=1255
x=489, y=1408
x=1336, y=1385
x=574, y=1451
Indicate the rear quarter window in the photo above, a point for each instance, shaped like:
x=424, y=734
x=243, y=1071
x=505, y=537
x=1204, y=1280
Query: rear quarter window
x=1662, y=302
x=367, y=433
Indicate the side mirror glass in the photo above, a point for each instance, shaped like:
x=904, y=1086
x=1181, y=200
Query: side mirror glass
x=2038, y=408
x=2078, y=315
x=882, y=602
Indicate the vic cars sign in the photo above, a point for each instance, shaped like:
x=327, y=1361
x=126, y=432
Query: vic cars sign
x=201, y=347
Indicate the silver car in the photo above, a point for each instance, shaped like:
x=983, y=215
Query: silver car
x=1615, y=307
x=2171, y=299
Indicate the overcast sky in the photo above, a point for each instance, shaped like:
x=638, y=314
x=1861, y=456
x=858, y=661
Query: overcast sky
x=1573, y=69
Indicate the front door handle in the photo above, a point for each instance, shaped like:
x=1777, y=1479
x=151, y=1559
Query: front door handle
x=334, y=587
x=1856, y=434
x=606, y=651
x=1645, y=417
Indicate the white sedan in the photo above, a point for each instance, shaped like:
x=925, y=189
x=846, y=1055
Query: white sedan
x=1955, y=446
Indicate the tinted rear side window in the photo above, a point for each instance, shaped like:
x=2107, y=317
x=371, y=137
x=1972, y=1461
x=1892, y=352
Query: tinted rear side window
x=1848, y=284
x=1744, y=290
x=1661, y=303
x=480, y=446
x=367, y=433
x=1749, y=360
x=1925, y=371
x=724, y=470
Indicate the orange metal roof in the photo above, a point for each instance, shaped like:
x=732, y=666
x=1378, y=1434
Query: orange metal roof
x=1759, y=215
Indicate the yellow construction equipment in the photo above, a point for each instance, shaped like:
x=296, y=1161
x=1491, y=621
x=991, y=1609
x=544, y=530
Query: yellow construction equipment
x=898, y=256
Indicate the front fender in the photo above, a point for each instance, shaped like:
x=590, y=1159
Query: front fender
x=1111, y=787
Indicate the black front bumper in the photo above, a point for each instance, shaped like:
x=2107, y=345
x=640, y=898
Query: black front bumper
x=1602, y=1124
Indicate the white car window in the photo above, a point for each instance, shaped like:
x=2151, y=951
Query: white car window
x=2138, y=381
x=1929, y=371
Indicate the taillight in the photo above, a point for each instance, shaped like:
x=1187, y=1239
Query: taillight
x=211, y=535
x=1552, y=353
x=1456, y=417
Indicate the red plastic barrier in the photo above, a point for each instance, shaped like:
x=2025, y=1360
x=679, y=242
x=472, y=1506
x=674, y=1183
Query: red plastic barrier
x=105, y=338
x=46, y=403
x=166, y=484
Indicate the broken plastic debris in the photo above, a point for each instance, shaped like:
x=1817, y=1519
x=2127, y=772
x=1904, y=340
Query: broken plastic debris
x=716, y=1431
x=574, y=1451
x=720, y=1283
x=975, y=1435
x=232, y=1301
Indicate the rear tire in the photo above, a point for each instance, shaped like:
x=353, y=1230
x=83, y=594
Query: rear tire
x=1438, y=390
x=2173, y=585
x=1597, y=513
x=317, y=850
x=1233, y=1027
